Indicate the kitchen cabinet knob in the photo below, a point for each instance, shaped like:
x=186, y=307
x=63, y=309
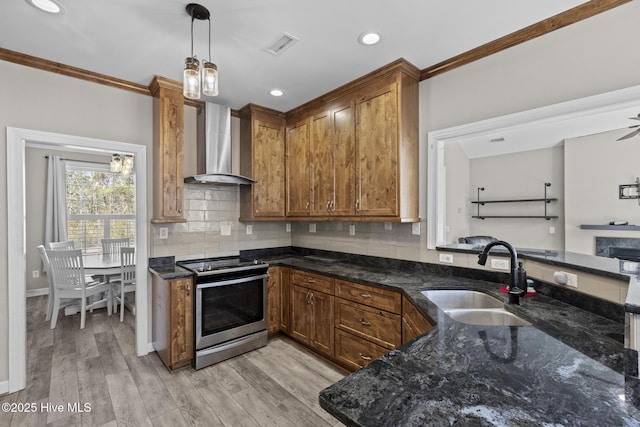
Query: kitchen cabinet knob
x=311, y=280
x=365, y=295
x=364, y=322
x=364, y=357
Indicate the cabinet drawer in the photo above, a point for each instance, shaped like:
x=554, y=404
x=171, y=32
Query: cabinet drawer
x=381, y=327
x=354, y=352
x=369, y=295
x=312, y=281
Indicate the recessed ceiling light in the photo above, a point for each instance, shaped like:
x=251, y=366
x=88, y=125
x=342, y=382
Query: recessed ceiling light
x=49, y=6
x=276, y=92
x=369, y=38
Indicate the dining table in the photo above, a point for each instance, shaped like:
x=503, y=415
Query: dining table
x=102, y=267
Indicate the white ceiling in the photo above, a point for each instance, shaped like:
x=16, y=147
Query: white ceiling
x=137, y=39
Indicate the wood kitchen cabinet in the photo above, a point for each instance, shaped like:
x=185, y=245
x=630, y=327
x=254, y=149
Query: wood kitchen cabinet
x=278, y=300
x=262, y=143
x=413, y=322
x=311, y=308
x=298, y=170
x=387, y=148
x=168, y=146
x=333, y=160
x=367, y=322
x=172, y=313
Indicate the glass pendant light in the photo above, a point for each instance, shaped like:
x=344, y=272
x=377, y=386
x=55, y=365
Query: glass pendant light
x=194, y=79
x=209, y=73
x=191, y=78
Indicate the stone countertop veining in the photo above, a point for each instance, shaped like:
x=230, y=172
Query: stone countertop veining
x=566, y=369
x=166, y=268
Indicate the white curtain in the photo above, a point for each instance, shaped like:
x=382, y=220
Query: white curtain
x=55, y=229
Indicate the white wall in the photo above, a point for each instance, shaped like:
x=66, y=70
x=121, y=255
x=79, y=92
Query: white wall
x=594, y=168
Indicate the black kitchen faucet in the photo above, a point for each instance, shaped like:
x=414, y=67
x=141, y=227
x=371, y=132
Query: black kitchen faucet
x=516, y=289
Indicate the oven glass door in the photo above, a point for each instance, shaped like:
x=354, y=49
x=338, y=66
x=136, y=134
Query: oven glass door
x=229, y=309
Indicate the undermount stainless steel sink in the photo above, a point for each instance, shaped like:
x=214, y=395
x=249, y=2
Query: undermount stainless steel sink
x=473, y=307
x=459, y=298
x=487, y=317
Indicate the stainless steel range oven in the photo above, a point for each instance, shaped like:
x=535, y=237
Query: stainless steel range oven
x=230, y=307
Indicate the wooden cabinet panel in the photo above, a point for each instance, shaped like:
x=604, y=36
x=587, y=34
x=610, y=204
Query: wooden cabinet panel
x=311, y=315
x=369, y=295
x=377, y=145
x=414, y=323
x=262, y=135
x=379, y=326
x=322, y=164
x=322, y=331
x=298, y=170
x=312, y=281
x=273, y=301
x=344, y=155
x=284, y=298
x=172, y=327
x=354, y=352
x=168, y=155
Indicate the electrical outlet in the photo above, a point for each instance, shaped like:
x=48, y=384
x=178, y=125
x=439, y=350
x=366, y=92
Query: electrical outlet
x=249, y=229
x=500, y=264
x=225, y=230
x=415, y=228
x=164, y=233
x=388, y=226
x=312, y=228
x=352, y=230
x=35, y=274
x=552, y=230
x=572, y=280
x=287, y=227
x=447, y=258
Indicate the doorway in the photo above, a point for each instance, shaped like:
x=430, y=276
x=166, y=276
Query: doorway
x=17, y=142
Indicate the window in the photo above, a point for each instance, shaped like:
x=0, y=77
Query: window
x=100, y=205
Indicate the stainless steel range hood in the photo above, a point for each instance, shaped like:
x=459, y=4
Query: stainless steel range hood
x=214, y=148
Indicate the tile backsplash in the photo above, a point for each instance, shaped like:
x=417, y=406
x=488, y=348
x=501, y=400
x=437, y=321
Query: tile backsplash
x=213, y=211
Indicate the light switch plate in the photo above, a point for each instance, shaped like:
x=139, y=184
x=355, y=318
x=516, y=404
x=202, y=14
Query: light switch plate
x=287, y=227
x=312, y=228
x=500, y=264
x=446, y=258
x=352, y=230
x=388, y=226
x=225, y=230
x=164, y=233
x=249, y=229
x=415, y=228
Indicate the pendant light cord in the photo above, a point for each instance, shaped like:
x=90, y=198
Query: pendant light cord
x=192, y=19
x=209, y=19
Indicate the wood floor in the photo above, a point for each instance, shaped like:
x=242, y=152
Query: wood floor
x=276, y=385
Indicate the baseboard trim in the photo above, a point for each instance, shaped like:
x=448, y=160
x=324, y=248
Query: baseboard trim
x=4, y=387
x=150, y=348
x=37, y=292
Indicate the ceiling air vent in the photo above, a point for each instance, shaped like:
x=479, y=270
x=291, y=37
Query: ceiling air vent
x=283, y=43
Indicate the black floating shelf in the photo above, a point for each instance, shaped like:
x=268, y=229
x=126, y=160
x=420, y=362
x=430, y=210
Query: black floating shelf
x=610, y=227
x=482, y=202
x=547, y=217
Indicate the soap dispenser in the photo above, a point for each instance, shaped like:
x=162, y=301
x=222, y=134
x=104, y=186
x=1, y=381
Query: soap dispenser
x=522, y=277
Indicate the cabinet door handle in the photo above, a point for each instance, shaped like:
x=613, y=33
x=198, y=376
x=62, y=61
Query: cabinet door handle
x=333, y=206
x=306, y=208
x=329, y=206
x=311, y=298
x=357, y=206
x=364, y=322
x=307, y=297
x=311, y=280
x=365, y=295
x=188, y=288
x=364, y=357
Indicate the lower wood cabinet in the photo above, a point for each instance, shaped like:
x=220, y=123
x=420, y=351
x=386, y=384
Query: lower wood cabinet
x=172, y=313
x=312, y=318
x=350, y=323
x=413, y=322
x=278, y=300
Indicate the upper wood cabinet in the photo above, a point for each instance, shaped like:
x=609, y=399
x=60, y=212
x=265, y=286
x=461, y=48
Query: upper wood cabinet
x=262, y=133
x=168, y=143
x=297, y=167
x=363, y=160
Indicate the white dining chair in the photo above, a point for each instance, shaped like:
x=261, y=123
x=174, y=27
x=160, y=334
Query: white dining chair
x=45, y=262
x=69, y=281
x=112, y=246
x=65, y=246
x=127, y=281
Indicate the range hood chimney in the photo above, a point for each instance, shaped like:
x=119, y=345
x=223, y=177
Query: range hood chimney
x=214, y=148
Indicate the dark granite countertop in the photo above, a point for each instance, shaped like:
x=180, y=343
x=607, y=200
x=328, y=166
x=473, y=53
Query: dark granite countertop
x=566, y=369
x=166, y=268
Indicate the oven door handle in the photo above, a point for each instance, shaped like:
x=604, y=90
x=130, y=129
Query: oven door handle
x=206, y=285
